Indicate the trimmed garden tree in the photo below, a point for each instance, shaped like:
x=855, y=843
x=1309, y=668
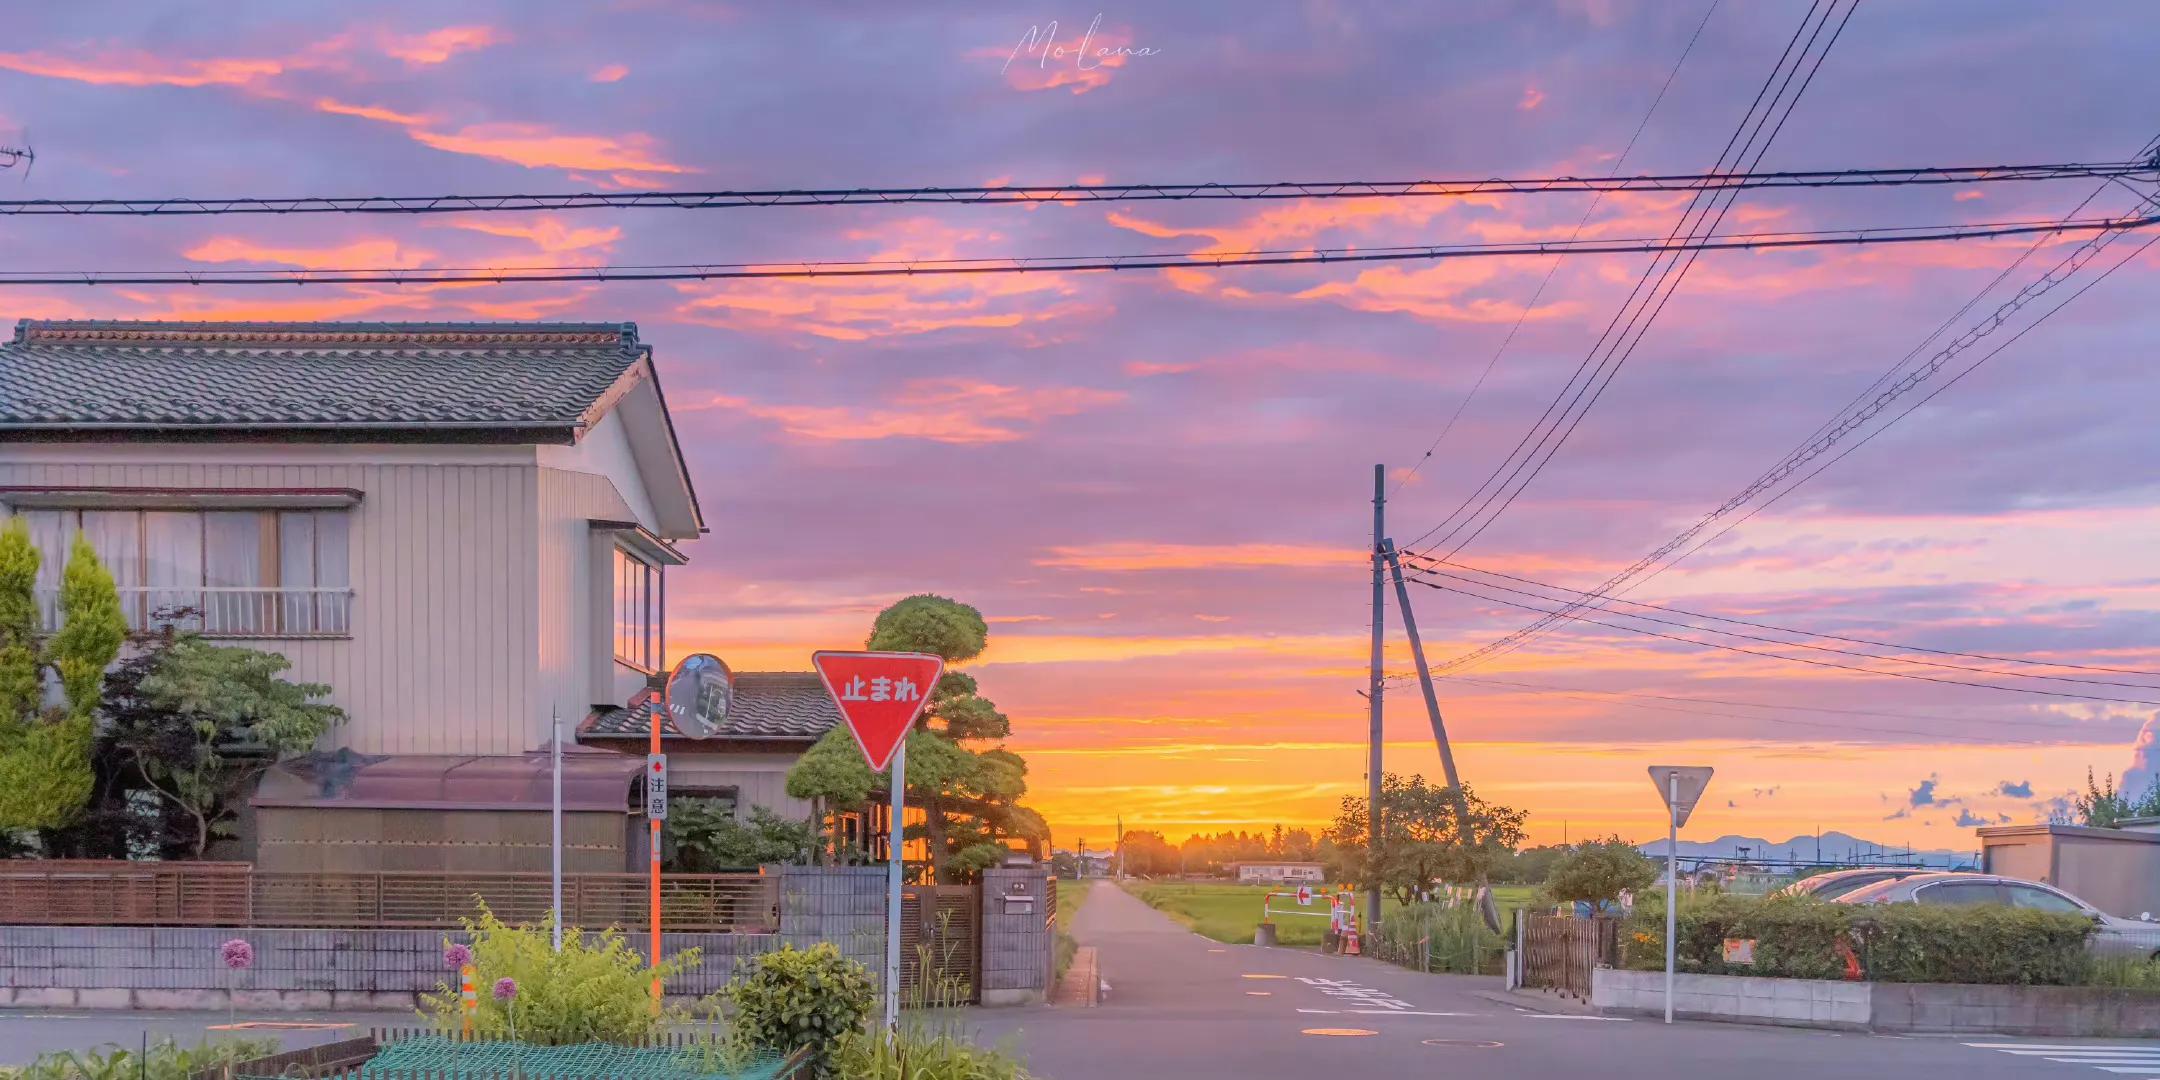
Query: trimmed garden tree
x=197, y=722
x=970, y=798
x=45, y=773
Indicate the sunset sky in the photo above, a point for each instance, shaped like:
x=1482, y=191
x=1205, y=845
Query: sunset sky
x=1156, y=484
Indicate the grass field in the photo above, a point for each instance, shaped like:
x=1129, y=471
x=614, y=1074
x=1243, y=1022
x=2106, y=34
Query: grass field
x=1230, y=913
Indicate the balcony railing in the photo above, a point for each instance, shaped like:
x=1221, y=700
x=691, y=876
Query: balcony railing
x=227, y=611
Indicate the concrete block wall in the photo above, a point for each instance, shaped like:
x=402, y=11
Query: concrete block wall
x=1930, y=1008
x=1017, y=946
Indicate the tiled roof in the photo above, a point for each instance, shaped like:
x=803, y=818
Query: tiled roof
x=767, y=705
x=309, y=375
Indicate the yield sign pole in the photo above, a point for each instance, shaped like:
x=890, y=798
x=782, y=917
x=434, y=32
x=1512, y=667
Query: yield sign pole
x=1681, y=786
x=880, y=694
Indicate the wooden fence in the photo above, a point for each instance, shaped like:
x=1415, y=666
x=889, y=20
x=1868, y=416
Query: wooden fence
x=940, y=948
x=116, y=893
x=1559, y=953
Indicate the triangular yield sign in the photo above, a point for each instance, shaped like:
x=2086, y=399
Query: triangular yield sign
x=880, y=694
x=1681, y=786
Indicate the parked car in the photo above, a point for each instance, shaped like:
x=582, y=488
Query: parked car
x=2117, y=937
x=1837, y=883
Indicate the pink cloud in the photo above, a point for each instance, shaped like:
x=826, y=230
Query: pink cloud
x=361, y=253
x=1532, y=97
x=937, y=410
x=609, y=73
x=137, y=68
x=537, y=146
x=369, y=112
x=436, y=46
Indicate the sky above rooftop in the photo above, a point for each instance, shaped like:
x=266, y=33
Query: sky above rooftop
x=1157, y=484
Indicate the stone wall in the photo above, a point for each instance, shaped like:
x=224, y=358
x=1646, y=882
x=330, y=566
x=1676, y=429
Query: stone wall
x=179, y=968
x=1932, y=1008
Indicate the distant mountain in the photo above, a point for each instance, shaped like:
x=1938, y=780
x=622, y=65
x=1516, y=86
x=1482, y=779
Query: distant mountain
x=1834, y=846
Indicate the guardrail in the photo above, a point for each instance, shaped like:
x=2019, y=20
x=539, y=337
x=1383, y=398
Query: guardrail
x=103, y=893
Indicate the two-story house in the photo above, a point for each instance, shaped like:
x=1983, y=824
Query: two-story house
x=462, y=529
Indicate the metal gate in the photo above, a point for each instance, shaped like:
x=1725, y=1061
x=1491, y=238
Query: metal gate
x=940, y=945
x=1559, y=953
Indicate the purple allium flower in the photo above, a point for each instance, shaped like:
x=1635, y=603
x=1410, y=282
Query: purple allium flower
x=237, y=954
x=455, y=955
x=505, y=988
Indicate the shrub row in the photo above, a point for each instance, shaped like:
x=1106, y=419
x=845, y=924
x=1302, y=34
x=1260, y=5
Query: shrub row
x=1802, y=938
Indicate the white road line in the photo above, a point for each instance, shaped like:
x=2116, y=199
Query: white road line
x=1381, y=1012
x=1572, y=1016
x=2017, y=1046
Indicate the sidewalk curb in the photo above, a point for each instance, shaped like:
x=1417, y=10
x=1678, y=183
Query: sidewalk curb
x=1539, y=1003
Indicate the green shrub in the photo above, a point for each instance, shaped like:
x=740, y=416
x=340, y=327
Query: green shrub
x=167, y=1060
x=1598, y=871
x=1913, y=943
x=1804, y=938
x=598, y=989
x=920, y=1055
x=802, y=997
x=1435, y=937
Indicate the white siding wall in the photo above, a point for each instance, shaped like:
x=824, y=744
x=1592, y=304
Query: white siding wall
x=576, y=593
x=759, y=779
x=468, y=570
x=480, y=602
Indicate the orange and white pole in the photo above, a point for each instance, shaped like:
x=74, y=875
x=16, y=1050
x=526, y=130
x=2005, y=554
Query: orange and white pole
x=654, y=774
x=468, y=996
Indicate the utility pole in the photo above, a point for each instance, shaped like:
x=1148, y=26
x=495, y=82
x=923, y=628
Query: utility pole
x=1119, y=873
x=1432, y=701
x=1372, y=700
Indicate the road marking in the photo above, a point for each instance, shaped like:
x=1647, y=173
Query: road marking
x=1380, y=1012
x=2139, y=1060
x=1259, y=993
x=1273, y=976
x=1346, y=990
x=1226, y=950
x=1338, y=1031
x=1479, y=1044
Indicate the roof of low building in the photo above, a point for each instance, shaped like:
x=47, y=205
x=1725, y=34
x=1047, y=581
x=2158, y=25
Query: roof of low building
x=76, y=374
x=783, y=705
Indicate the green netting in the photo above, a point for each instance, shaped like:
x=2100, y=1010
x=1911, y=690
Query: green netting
x=438, y=1058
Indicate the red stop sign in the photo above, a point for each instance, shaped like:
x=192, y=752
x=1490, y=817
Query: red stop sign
x=880, y=694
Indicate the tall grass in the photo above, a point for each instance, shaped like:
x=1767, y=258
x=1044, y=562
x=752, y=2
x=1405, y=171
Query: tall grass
x=1436, y=937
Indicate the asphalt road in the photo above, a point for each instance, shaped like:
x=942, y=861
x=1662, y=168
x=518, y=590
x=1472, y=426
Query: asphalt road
x=1182, y=1007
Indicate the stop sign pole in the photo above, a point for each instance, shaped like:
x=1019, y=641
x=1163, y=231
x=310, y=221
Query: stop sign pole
x=880, y=694
x=1681, y=786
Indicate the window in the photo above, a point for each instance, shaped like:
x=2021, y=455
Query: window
x=1959, y=894
x=637, y=611
x=2026, y=896
x=245, y=573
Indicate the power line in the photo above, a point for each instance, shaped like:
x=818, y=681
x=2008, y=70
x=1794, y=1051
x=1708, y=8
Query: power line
x=1538, y=293
x=1578, y=692
x=1611, y=352
x=1831, y=435
x=1790, y=644
x=1061, y=264
x=2148, y=171
x=1580, y=617
x=1878, y=714
x=1802, y=633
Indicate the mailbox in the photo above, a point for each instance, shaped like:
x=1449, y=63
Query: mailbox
x=1017, y=899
